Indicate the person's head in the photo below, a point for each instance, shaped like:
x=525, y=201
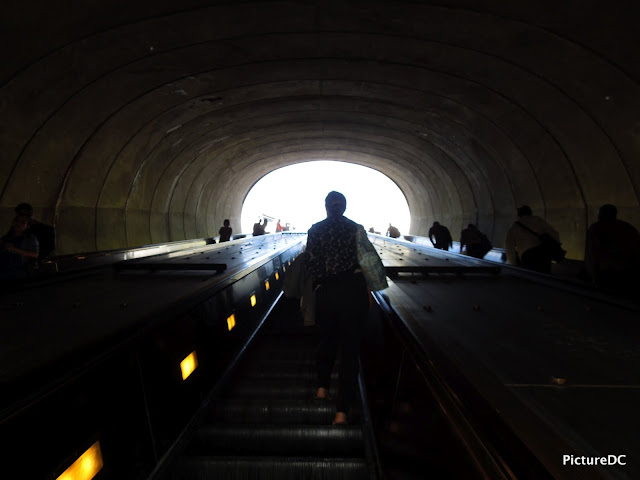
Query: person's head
x=471, y=226
x=226, y=222
x=607, y=212
x=24, y=209
x=524, y=211
x=436, y=224
x=335, y=203
x=20, y=224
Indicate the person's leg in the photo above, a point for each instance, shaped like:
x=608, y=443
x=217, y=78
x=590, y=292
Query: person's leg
x=352, y=316
x=326, y=318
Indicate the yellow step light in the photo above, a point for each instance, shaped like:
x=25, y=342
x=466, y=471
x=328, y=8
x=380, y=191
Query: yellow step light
x=277, y=276
x=254, y=300
x=86, y=467
x=189, y=364
x=231, y=321
x=266, y=285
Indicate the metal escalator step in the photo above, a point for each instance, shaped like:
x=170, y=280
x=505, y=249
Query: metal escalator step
x=274, y=332
x=243, y=411
x=274, y=388
x=282, y=412
x=285, y=342
x=269, y=468
x=289, y=354
x=282, y=372
x=293, y=440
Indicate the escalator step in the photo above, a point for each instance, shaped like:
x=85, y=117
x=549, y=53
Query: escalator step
x=297, y=440
x=269, y=468
x=283, y=412
x=274, y=389
x=305, y=412
x=300, y=355
x=280, y=371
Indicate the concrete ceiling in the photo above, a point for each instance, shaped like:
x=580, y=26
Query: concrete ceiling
x=134, y=122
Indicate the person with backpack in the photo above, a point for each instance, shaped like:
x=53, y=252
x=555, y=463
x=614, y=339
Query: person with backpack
x=532, y=243
x=440, y=236
x=477, y=243
x=612, y=252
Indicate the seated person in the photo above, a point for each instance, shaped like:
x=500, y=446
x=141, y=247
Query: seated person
x=17, y=248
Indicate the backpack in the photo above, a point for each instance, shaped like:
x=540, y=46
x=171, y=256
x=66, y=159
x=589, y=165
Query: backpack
x=550, y=245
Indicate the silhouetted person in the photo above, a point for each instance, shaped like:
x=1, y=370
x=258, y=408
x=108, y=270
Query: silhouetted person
x=45, y=234
x=225, y=231
x=612, y=253
x=393, y=232
x=17, y=248
x=279, y=227
x=341, y=300
x=523, y=245
x=440, y=236
x=476, y=242
x=259, y=228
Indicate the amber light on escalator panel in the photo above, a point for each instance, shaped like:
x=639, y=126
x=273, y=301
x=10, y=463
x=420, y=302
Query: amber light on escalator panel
x=86, y=467
x=254, y=300
x=277, y=276
x=189, y=364
x=266, y=285
x=231, y=321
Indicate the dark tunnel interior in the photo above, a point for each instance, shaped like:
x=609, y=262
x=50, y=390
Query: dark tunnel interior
x=123, y=123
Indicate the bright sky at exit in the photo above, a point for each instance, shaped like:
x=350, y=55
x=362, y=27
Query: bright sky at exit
x=295, y=195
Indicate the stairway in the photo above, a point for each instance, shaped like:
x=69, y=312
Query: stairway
x=266, y=424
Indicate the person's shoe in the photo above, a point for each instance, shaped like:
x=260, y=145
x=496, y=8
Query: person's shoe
x=340, y=419
x=322, y=394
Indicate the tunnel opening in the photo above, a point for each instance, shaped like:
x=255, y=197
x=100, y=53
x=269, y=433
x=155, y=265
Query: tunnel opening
x=294, y=196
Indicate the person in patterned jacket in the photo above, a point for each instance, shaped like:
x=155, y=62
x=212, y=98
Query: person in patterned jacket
x=342, y=300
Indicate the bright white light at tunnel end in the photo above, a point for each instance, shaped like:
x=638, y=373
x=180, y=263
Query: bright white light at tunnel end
x=295, y=194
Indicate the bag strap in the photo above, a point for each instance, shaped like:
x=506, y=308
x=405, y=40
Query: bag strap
x=528, y=229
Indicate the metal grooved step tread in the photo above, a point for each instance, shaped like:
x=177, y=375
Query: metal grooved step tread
x=270, y=468
x=299, y=440
x=266, y=424
x=290, y=412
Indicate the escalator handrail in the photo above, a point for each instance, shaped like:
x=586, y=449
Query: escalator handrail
x=488, y=460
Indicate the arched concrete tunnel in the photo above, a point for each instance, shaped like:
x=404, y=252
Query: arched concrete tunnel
x=129, y=123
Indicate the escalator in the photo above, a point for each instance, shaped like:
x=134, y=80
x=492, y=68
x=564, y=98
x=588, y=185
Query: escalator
x=265, y=422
